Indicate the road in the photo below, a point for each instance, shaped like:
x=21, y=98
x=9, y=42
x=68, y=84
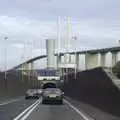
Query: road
x=55, y=112
x=21, y=109
x=10, y=109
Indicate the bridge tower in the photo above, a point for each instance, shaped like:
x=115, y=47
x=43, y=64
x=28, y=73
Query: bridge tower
x=66, y=64
x=50, y=49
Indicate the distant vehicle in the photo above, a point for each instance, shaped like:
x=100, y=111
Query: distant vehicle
x=39, y=92
x=31, y=93
x=52, y=95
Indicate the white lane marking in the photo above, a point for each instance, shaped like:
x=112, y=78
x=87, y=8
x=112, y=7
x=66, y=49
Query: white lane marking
x=78, y=111
x=29, y=112
x=10, y=101
x=26, y=110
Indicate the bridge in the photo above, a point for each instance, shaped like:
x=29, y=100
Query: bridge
x=93, y=58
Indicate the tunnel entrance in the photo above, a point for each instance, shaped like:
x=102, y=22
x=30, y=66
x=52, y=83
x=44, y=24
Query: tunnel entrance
x=49, y=85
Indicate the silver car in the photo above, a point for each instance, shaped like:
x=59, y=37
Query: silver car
x=31, y=93
x=39, y=92
x=52, y=95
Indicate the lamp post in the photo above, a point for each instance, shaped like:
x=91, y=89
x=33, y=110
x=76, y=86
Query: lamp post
x=75, y=38
x=5, y=59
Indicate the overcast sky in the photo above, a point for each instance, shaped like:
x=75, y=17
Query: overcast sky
x=96, y=23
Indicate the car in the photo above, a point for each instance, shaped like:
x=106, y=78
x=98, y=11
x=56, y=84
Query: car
x=52, y=95
x=31, y=93
x=39, y=92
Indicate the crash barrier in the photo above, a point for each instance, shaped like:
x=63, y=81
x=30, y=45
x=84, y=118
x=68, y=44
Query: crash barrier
x=95, y=88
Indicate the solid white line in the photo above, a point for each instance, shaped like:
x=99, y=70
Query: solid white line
x=26, y=110
x=29, y=112
x=78, y=111
x=10, y=101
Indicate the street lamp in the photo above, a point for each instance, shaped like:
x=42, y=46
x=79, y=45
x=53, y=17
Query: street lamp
x=5, y=59
x=75, y=38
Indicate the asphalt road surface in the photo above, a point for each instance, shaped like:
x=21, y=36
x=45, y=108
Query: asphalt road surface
x=21, y=109
x=55, y=112
x=10, y=109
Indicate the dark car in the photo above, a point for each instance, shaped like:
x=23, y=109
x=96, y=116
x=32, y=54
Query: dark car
x=31, y=93
x=52, y=95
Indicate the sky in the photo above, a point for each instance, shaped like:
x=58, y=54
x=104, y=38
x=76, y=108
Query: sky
x=27, y=23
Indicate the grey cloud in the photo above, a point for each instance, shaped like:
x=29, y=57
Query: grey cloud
x=50, y=9
x=28, y=21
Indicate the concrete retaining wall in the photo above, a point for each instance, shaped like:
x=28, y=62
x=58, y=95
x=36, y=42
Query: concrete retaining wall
x=94, y=87
x=15, y=85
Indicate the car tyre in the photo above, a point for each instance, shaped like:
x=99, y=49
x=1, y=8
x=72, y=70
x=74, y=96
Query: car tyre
x=61, y=102
x=43, y=102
